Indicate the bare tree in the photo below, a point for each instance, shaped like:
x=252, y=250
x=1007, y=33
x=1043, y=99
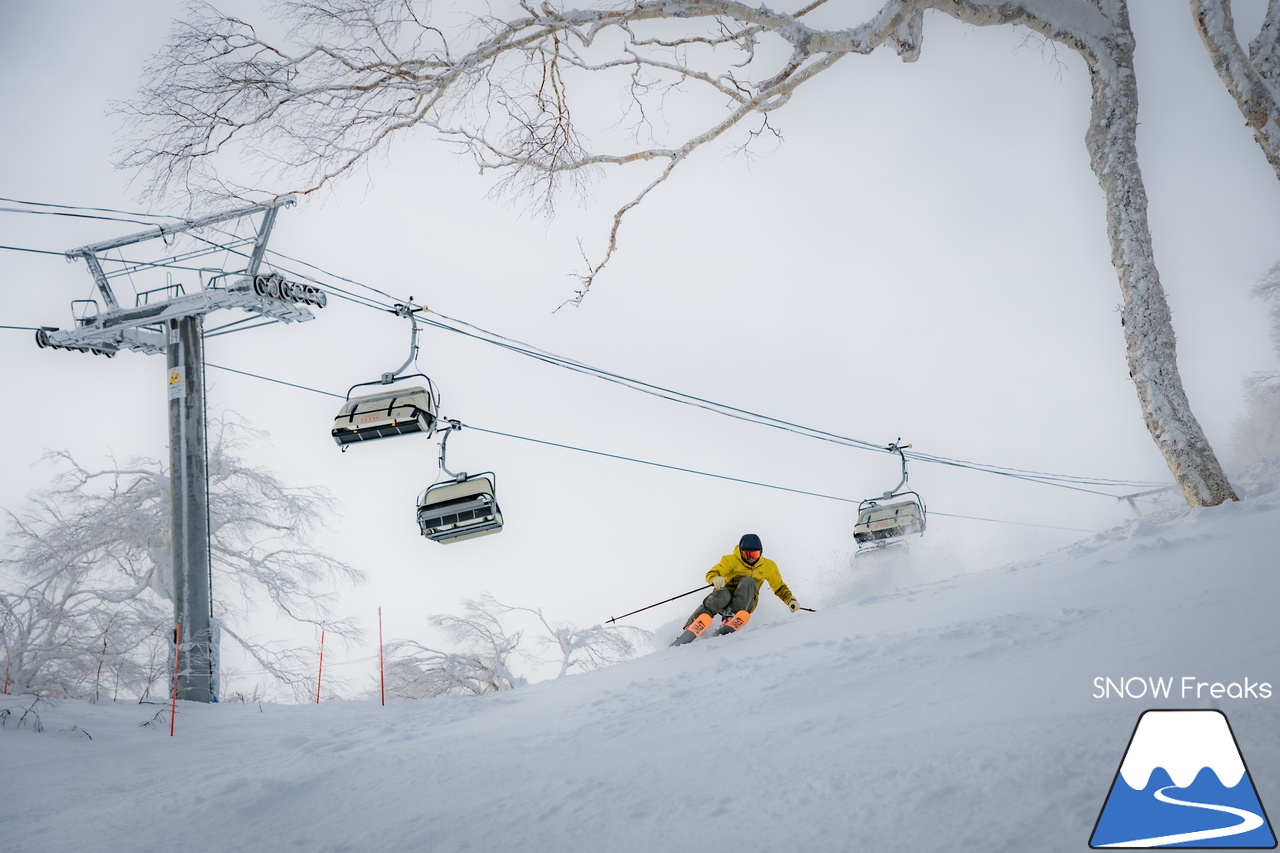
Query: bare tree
x=489, y=643
x=88, y=565
x=415, y=671
x=62, y=639
x=355, y=74
x=1257, y=434
x=583, y=648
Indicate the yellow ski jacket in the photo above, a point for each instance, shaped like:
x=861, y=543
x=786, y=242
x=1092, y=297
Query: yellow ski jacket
x=732, y=566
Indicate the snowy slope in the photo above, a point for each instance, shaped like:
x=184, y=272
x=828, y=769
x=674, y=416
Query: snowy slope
x=956, y=715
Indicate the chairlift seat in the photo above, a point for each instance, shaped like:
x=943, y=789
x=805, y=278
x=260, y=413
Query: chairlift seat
x=400, y=411
x=460, y=509
x=878, y=522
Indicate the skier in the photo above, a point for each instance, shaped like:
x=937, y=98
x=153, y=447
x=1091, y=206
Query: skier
x=737, y=579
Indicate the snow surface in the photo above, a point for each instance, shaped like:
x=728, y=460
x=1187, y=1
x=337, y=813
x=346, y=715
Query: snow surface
x=957, y=714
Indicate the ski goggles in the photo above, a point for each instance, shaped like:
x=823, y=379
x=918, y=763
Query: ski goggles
x=751, y=555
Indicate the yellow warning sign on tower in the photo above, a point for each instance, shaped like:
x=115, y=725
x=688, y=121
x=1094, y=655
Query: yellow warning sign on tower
x=177, y=387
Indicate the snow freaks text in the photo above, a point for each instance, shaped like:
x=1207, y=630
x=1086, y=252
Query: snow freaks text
x=1186, y=687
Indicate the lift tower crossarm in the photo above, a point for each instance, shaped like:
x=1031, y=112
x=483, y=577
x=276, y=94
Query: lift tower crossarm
x=141, y=328
x=90, y=253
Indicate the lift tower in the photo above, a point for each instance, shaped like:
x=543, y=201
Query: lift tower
x=172, y=323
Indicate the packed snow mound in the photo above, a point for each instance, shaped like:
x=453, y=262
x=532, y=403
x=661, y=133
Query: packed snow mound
x=962, y=713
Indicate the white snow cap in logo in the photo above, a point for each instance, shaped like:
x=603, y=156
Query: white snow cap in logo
x=1183, y=743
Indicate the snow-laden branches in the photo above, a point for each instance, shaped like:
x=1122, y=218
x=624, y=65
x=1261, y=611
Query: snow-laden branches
x=353, y=75
x=261, y=533
x=522, y=93
x=579, y=648
x=415, y=671
x=488, y=644
x=1256, y=435
x=86, y=605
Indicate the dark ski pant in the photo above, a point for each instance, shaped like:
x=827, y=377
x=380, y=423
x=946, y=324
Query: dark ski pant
x=738, y=595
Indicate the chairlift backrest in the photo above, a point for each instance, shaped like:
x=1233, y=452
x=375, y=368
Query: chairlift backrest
x=400, y=411
x=459, y=509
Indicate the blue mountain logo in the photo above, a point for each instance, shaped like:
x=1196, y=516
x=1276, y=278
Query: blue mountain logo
x=1183, y=783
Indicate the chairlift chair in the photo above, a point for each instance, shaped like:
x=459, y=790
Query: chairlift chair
x=399, y=411
x=462, y=507
x=881, y=524
x=877, y=523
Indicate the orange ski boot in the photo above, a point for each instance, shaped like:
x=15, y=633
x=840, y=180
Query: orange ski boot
x=734, y=622
x=694, y=630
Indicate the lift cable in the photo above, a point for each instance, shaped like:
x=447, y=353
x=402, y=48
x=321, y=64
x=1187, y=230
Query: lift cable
x=133, y=264
x=741, y=480
x=530, y=351
x=73, y=215
x=656, y=464
x=91, y=209
x=277, y=381
x=630, y=458
x=1070, y=482
x=33, y=251
x=1061, y=480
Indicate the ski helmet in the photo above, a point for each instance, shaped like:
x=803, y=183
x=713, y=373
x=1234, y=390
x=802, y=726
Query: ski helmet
x=750, y=542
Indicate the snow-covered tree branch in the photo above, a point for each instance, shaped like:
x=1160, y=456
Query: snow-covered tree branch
x=489, y=643
x=415, y=671
x=85, y=608
x=525, y=92
x=581, y=648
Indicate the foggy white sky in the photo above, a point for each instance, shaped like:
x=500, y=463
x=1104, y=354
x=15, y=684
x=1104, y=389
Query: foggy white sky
x=925, y=256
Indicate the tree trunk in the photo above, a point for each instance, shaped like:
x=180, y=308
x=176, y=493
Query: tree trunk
x=1249, y=77
x=1148, y=327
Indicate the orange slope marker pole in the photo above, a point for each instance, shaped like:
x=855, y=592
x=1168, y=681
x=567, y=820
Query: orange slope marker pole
x=321, y=672
x=382, y=667
x=177, y=647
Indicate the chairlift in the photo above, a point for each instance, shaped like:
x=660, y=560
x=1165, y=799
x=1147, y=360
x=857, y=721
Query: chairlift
x=459, y=508
x=885, y=522
x=398, y=411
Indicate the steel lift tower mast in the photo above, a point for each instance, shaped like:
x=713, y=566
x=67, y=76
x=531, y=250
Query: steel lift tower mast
x=173, y=325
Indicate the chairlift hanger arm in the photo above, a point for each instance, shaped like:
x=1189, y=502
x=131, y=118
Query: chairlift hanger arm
x=450, y=425
x=407, y=310
x=895, y=447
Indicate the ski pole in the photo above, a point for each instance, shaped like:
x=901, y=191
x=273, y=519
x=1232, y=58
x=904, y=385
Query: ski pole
x=664, y=601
